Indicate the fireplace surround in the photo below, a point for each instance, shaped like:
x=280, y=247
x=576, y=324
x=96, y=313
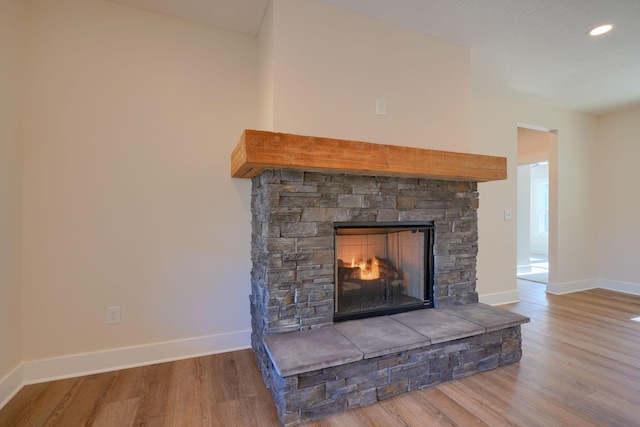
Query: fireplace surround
x=315, y=367
x=294, y=216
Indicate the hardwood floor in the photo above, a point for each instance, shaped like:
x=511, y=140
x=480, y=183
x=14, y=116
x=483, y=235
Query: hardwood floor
x=581, y=367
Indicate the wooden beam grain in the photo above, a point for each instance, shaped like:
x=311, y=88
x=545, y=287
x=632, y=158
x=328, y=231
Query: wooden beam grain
x=259, y=150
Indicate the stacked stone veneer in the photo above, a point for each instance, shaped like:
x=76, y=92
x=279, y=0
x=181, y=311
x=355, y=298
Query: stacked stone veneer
x=292, y=278
x=324, y=392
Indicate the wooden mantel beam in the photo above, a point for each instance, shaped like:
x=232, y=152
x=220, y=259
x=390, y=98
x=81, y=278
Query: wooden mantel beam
x=259, y=150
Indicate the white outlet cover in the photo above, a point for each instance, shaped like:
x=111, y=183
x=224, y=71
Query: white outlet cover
x=113, y=315
x=381, y=107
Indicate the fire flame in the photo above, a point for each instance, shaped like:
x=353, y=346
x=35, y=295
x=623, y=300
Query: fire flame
x=369, y=270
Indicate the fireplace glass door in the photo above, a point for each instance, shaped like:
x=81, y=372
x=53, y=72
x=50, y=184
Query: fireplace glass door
x=382, y=269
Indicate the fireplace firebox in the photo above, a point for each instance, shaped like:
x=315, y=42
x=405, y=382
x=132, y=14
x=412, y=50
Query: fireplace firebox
x=382, y=268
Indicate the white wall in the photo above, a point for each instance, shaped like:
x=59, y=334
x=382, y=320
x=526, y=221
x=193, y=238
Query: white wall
x=131, y=118
x=616, y=199
x=11, y=16
x=266, y=68
x=495, y=122
x=330, y=66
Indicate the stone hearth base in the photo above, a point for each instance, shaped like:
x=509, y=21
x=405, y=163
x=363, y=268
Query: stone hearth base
x=326, y=371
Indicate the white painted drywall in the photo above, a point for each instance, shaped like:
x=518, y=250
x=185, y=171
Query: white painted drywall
x=11, y=36
x=266, y=68
x=616, y=199
x=330, y=65
x=130, y=120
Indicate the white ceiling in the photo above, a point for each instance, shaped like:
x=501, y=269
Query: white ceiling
x=535, y=49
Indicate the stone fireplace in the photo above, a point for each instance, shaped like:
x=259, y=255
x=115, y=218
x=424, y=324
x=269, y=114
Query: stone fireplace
x=294, y=218
x=317, y=235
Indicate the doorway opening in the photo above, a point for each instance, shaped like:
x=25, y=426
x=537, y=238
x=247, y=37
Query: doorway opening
x=535, y=208
x=533, y=224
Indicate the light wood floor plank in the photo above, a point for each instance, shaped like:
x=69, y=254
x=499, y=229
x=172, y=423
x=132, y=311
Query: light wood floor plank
x=118, y=413
x=42, y=408
x=158, y=400
x=437, y=401
x=580, y=367
x=127, y=385
x=412, y=411
x=486, y=412
x=84, y=403
x=224, y=380
x=24, y=404
x=192, y=406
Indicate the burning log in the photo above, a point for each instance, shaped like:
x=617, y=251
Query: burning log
x=375, y=278
x=371, y=269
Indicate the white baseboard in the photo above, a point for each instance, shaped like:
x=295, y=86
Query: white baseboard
x=36, y=371
x=11, y=384
x=615, y=285
x=500, y=298
x=569, y=287
x=75, y=365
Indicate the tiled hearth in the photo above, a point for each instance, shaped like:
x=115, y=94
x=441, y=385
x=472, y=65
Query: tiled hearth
x=316, y=368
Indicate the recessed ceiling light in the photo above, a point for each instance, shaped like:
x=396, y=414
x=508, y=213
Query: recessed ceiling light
x=601, y=29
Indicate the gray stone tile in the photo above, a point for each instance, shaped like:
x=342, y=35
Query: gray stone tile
x=492, y=318
x=439, y=325
x=379, y=336
x=298, y=352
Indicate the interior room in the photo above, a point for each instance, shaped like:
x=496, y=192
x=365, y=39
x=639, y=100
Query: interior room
x=533, y=211
x=125, y=242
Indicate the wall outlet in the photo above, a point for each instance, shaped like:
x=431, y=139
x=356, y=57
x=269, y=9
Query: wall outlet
x=381, y=107
x=113, y=315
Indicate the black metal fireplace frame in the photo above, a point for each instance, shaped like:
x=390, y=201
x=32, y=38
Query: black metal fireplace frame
x=426, y=227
